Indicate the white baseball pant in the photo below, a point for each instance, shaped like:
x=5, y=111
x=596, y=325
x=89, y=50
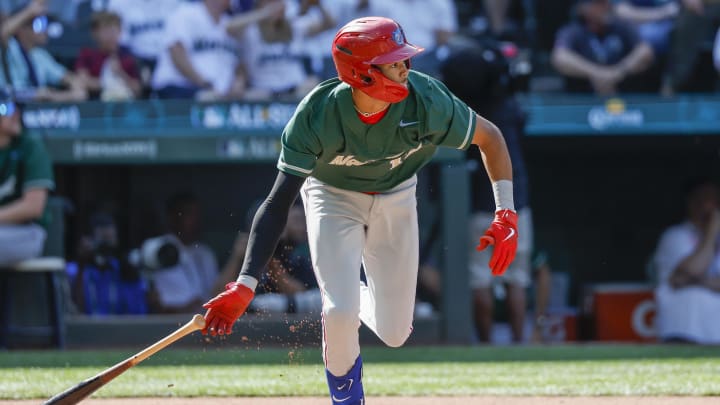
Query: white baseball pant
x=347, y=228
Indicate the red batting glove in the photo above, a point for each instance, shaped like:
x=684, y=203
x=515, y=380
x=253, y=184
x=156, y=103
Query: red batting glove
x=503, y=234
x=226, y=308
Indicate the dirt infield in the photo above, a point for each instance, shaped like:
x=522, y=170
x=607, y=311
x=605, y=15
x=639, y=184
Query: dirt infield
x=492, y=400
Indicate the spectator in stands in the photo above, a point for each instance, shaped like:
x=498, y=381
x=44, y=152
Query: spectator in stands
x=505, y=18
x=687, y=262
x=289, y=285
x=480, y=76
x=200, y=57
x=596, y=53
x=102, y=280
x=716, y=51
x=431, y=23
x=497, y=11
x=653, y=19
x=320, y=20
x=694, y=30
x=34, y=73
x=241, y=6
x=310, y=20
x=184, y=287
x=143, y=25
x=317, y=15
x=360, y=8
x=108, y=70
x=275, y=62
x=26, y=179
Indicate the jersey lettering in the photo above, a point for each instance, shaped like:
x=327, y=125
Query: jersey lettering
x=139, y=28
x=204, y=44
x=394, y=161
x=397, y=161
x=348, y=161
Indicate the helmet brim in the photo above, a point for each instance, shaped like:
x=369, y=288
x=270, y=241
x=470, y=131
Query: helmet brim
x=407, y=51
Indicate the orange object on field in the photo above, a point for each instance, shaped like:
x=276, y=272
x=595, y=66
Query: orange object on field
x=624, y=312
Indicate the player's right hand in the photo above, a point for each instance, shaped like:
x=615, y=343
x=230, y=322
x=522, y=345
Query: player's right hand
x=226, y=308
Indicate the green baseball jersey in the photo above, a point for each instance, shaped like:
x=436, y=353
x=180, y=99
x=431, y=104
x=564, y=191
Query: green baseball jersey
x=327, y=140
x=24, y=165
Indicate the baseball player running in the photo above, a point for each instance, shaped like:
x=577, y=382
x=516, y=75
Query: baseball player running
x=352, y=150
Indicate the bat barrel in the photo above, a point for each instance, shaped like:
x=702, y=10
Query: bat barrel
x=77, y=393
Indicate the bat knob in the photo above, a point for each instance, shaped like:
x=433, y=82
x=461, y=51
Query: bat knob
x=199, y=321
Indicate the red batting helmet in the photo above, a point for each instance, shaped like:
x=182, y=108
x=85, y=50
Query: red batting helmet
x=369, y=41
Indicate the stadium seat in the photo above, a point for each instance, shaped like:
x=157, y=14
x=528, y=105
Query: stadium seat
x=50, y=269
x=34, y=290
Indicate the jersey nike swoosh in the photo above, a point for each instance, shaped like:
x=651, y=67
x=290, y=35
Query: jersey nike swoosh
x=336, y=399
x=404, y=124
x=510, y=235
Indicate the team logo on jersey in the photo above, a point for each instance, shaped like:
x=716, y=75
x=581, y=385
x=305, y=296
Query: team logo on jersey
x=398, y=36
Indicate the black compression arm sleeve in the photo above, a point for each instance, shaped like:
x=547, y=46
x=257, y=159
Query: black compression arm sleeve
x=269, y=223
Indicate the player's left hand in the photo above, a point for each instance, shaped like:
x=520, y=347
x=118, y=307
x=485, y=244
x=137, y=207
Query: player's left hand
x=503, y=234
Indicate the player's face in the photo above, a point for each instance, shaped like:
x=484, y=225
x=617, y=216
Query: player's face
x=36, y=30
x=106, y=234
x=596, y=14
x=397, y=72
x=108, y=36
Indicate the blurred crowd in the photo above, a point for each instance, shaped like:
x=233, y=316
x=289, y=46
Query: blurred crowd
x=263, y=50
x=274, y=49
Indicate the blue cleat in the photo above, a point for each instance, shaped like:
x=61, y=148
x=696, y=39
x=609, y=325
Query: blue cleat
x=348, y=389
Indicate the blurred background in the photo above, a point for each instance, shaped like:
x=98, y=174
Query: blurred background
x=161, y=119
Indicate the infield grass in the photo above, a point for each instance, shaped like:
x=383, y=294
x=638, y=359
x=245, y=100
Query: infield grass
x=474, y=370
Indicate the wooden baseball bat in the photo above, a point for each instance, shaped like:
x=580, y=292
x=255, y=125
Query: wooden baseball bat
x=75, y=394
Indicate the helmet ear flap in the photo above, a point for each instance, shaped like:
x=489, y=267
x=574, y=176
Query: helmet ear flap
x=364, y=78
x=369, y=78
